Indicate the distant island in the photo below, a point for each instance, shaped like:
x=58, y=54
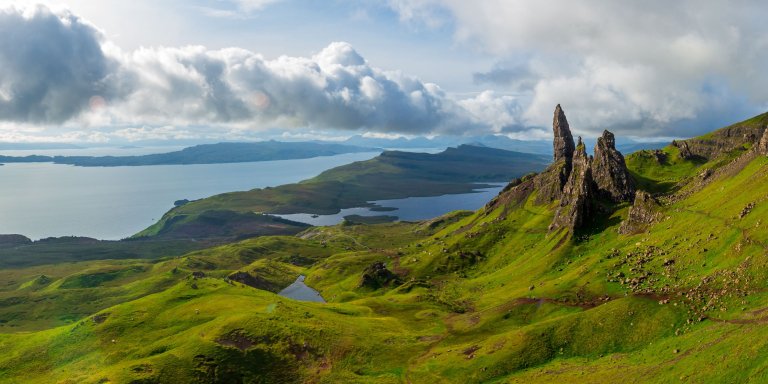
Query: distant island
x=204, y=154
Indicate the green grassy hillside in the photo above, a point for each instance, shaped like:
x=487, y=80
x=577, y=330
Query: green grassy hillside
x=480, y=297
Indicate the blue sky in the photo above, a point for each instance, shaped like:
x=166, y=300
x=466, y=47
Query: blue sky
x=117, y=71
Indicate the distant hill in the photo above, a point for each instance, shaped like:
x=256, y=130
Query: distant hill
x=391, y=175
x=543, y=147
x=204, y=154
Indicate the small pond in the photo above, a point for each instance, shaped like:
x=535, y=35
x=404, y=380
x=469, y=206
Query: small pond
x=302, y=292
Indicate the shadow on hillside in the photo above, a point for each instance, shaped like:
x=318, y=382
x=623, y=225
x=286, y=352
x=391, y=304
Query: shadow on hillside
x=603, y=220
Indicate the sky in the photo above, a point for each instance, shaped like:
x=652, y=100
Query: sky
x=210, y=70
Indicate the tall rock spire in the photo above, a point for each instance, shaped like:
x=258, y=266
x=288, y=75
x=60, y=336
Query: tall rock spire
x=609, y=171
x=563, y=142
x=576, y=200
x=550, y=183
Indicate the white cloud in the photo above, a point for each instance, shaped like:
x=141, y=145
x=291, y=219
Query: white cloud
x=57, y=69
x=627, y=65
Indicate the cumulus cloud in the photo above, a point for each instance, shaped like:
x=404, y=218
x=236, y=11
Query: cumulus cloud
x=639, y=67
x=50, y=65
x=57, y=69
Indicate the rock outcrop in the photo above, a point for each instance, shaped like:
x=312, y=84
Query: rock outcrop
x=609, y=171
x=563, y=141
x=551, y=182
x=643, y=213
x=740, y=135
x=576, y=201
x=684, y=150
x=575, y=179
x=762, y=145
x=377, y=275
x=253, y=281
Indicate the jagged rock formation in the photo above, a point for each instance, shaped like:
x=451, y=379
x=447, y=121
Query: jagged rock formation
x=551, y=182
x=563, y=141
x=575, y=179
x=609, y=171
x=643, y=213
x=377, y=275
x=576, y=200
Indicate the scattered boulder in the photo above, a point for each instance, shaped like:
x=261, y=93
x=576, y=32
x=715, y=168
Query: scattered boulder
x=377, y=276
x=198, y=275
x=100, y=318
x=609, y=171
x=746, y=210
x=660, y=156
x=643, y=213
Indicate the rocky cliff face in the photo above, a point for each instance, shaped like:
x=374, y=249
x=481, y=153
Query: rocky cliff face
x=576, y=201
x=609, y=171
x=710, y=146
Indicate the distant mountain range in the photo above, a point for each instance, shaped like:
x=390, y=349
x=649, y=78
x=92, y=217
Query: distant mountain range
x=205, y=154
x=232, y=152
x=543, y=147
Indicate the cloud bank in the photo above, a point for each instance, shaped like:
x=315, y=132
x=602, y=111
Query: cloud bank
x=644, y=68
x=56, y=68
